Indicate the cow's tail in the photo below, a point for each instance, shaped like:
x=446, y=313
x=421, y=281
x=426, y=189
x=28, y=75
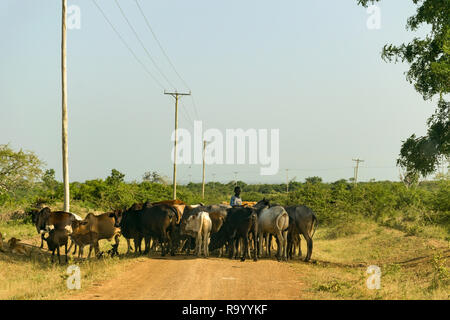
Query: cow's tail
x=278, y=221
x=254, y=221
x=315, y=224
x=202, y=221
x=177, y=213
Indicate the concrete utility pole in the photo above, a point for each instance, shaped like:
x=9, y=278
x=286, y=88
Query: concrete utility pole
x=65, y=149
x=176, y=95
x=203, y=178
x=355, y=177
x=287, y=180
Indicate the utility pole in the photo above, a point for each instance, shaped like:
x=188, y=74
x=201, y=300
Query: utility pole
x=65, y=149
x=214, y=179
x=235, y=178
x=287, y=180
x=176, y=95
x=355, y=177
x=203, y=178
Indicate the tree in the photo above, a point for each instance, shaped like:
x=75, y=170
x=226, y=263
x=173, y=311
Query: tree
x=429, y=72
x=154, y=177
x=115, y=178
x=409, y=178
x=313, y=180
x=48, y=178
x=18, y=170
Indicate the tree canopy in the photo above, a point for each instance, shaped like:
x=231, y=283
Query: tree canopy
x=18, y=169
x=429, y=72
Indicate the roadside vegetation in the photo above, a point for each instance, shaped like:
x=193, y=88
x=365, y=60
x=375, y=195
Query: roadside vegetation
x=402, y=227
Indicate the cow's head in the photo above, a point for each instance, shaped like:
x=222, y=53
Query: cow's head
x=218, y=239
x=136, y=206
x=261, y=204
x=34, y=215
x=13, y=241
x=42, y=218
x=117, y=217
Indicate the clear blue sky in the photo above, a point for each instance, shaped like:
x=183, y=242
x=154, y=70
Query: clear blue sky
x=310, y=68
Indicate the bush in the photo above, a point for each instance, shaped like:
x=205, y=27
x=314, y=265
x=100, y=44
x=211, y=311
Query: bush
x=423, y=210
x=344, y=228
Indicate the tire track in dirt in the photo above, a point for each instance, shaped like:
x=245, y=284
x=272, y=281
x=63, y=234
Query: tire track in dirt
x=198, y=279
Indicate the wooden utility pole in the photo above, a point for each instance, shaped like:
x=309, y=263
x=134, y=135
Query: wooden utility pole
x=176, y=95
x=287, y=180
x=355, y=177
x=203, y=178
x=65, y=152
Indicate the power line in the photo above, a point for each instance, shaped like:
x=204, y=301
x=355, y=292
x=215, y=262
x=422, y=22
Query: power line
x=160, y=45
x=195, y=107
x=127, y=46
x=186, y=115
x=166, y=55
x=142, y=44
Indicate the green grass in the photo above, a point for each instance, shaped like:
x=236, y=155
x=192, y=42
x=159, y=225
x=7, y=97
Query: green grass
x=17, y=229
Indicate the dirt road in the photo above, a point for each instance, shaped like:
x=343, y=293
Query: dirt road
x=191, y=278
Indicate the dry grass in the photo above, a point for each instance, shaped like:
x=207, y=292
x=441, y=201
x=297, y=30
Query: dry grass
x=338, y=270
x=36, y=277
x=412, y=267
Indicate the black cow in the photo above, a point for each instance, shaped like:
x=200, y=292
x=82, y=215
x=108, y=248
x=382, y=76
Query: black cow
x=130, y=226
x=302, y=220
x=160, y=222
x=239, y=223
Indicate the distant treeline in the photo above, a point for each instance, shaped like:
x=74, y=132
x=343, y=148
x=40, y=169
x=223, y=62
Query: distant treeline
x=389, y=203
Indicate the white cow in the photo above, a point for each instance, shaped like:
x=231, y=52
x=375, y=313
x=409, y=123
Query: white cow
x=199, y=225
x=273, y=220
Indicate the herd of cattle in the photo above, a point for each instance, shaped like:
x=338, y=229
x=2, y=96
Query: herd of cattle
x=173, y=226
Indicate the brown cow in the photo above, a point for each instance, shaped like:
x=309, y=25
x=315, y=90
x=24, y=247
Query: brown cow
x=56, y=239
x=16, y=247
x=103, y=226
x=177, y=204
x=46, y=220
x=81, y=237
